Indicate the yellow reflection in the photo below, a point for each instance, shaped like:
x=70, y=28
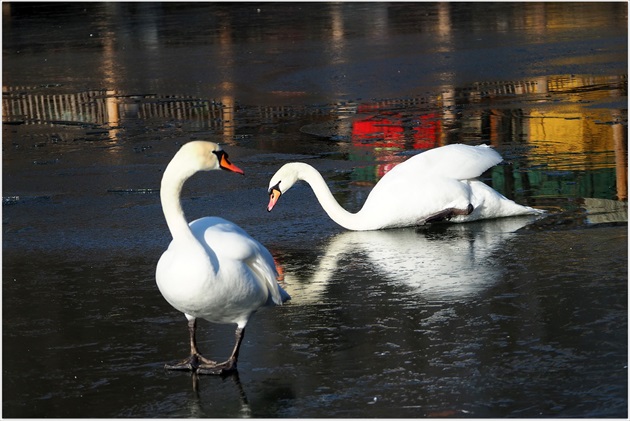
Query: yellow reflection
x=227, y=102
x=110, y=69
x=337, y=44
x=113, y=112
x=227, y=112
x=571, y=128
x=565, y=132
x=444, y=27
x=337, y=30
x=535, y=17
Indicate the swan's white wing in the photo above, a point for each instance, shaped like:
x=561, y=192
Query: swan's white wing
x=232, y=243
x=456, y=161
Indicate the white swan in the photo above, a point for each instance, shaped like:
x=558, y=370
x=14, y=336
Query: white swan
x=212, y=269
x=435, y=185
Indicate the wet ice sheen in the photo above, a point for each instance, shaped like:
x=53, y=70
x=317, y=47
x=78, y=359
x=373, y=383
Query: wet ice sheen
x=481, y=320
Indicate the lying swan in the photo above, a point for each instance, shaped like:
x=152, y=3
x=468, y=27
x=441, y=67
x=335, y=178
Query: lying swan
x=435, y=185
x=212, y=269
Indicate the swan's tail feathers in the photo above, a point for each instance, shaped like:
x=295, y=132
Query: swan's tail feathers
x=277, y=296
x=508, y=207
x=284, y=295
x=535, y=211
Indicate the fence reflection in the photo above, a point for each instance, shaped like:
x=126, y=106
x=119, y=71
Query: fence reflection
x=548, y=114
x=106, y=108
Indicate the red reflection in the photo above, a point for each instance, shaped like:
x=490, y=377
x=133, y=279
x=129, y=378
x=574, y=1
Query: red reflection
x=387, y=130
x=378, y=131
x=388, y=133
x=427, y=134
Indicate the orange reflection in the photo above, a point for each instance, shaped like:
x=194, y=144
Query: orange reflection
x=621, y=158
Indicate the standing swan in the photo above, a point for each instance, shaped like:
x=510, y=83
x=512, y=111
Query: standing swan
x=435, y=185
x=212, y=269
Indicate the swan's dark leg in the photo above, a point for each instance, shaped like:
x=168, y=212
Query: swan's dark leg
x=447, y=214
x=191, y=363
x=229, y=365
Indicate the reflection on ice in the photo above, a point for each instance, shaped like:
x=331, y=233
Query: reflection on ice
x=196, y=405
x=602, y=211
x=448, y=262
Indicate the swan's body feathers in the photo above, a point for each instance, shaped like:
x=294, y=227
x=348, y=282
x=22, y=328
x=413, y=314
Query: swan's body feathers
x=391, y=205
x=225, y=281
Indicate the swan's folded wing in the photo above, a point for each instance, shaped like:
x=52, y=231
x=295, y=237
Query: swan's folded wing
x=229, y=241
x=265, y=270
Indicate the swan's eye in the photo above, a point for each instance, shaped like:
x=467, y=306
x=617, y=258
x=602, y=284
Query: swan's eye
x=220, y=154
x=224, y=162
x=276, y=187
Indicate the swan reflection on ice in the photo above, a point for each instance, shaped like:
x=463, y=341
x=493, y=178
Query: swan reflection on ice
x=449, y=262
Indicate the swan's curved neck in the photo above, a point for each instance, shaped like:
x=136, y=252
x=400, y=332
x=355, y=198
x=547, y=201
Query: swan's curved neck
x=351, y=221
x=170, y=190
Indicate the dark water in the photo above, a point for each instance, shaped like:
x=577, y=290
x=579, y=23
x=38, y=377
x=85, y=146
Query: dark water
x=519, y=317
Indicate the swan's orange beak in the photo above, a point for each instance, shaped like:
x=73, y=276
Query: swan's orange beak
x=225, y=164
x=274, y=195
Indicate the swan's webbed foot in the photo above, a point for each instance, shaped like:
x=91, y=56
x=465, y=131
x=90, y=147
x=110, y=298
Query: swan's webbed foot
x=447, y=214
x=224, y=368
x=191, y=363
x=200, y=365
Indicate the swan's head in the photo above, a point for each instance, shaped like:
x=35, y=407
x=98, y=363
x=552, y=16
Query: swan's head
x=207, y=156
x=282, y=181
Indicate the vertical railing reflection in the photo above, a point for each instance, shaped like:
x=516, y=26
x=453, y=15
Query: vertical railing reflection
x=562, y=135
x=109, y=109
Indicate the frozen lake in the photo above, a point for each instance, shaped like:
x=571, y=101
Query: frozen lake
x=518, y=317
